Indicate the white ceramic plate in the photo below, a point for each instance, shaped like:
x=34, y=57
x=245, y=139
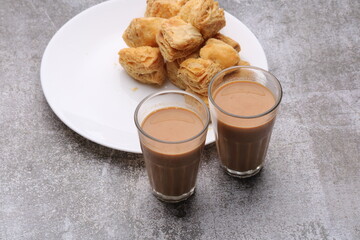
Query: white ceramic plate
x=87, y=88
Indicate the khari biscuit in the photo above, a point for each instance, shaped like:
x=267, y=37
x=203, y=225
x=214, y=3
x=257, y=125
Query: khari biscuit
x=144, y=64
x=143, y=31
x=205, y=15
x=202, y=97
x=228, y=40
x=243, y=63
x=220, y=53
x=172, y=69
x=178, y=39
x=163, y=8
x=197, y=74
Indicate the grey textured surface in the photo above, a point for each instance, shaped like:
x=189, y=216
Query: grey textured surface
x=54, y=184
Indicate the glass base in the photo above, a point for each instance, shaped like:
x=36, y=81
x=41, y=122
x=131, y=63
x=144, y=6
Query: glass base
x=173, y=199
x=245, y=174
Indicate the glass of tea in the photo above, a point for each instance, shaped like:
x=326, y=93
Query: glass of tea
x=172, y=127
x=243, y=103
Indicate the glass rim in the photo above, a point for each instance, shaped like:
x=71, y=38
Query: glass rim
x=138, y=125
x=276, y=104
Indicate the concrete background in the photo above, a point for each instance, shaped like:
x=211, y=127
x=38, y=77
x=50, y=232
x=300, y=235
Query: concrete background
x=54, y=184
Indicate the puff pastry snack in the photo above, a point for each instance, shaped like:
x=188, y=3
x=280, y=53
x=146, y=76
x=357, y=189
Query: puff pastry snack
x=163, y=8
x=178, y=39
x=205, y=15
x=169, y=42
x=243, y=63
x=197, y=73
x=172, y=69
x=202, y=97
x=228, y=40
x=220, y=53
x=143, y=31
x=144, y=64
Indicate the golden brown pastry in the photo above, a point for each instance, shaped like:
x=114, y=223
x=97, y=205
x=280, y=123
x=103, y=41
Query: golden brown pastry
x=182, y=2
x=202, y=97
x=173, y=67
x=197, y=74
x=243, y=63
x=228, y=40
x=205, y=15
x=241, y=73
x=143, y=31
x=220, y=53
x=245, y=73
x=144, y=64
x=172, y=72
x=163, y=8
x=178, y=39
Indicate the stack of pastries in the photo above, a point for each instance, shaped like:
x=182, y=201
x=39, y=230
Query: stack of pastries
x=179, y=40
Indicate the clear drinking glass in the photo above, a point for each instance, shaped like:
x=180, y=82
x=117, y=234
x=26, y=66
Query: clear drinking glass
x=172, y=167
x=242, y=141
